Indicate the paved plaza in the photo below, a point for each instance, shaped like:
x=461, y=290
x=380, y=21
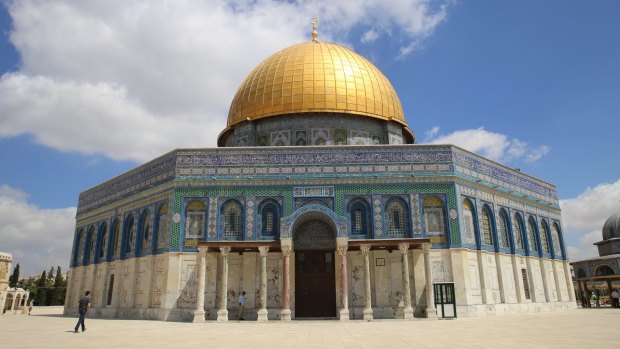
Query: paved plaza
x=583, y=328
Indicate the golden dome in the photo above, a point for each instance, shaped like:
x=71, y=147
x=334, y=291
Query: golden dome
x=315, y=77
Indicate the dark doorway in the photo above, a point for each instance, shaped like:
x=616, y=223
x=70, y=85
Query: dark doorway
x=315, y=284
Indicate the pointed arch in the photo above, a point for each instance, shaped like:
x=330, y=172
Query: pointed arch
x=359, y=216
x=115, y=239
x=144, y=233
x=434, y=216
x=468, y=221
x=195, y=213
x=555, y=240
x=517, y=232
x=531, y=235
x=270, y=213
x=486, y=226
x=89, y=251
x=232, y=219
x=503, y=229
x=79, y=247
x=129, y=232
x=397, y=212
x=544, y=236
x=102, y=242
x=163, y=228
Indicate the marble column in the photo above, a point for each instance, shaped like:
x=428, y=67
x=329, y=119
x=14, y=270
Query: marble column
x=285, y=313
x=368, y=314
x=404, y=261
x=262, y=311
x=201, y=269
x=222, y=313
x=431, y=312
x=344, y=284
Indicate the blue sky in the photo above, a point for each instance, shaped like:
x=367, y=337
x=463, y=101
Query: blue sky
x=89, y=91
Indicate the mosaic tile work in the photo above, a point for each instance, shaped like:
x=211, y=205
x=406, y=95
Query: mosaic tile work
x=415, y=213
x=249, y=216
x=316, y=162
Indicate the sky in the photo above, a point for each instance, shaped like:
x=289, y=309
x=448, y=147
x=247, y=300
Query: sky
x=91, y=89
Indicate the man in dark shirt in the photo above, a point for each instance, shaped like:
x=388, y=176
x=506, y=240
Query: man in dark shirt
x=82, y=307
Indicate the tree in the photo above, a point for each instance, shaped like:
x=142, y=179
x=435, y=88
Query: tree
x=14, y=278
x=60, y=288
x=40, y=297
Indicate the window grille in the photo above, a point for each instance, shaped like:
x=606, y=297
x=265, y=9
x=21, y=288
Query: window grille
x=516, y=231
x=486, y=228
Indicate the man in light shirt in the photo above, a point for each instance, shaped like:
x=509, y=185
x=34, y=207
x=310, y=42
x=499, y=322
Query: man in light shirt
x=241, y=304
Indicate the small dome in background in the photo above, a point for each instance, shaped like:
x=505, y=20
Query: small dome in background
x=611, y=228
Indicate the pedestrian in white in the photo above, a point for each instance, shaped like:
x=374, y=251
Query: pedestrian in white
x=241, y=304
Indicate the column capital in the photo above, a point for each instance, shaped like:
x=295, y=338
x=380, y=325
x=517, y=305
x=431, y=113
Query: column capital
x=286, y=250
x=403, y=247
x=426, y=248
x=202, y=250
x=365, y=249
x=342, y=250
x=263, y=250
x=225, y=250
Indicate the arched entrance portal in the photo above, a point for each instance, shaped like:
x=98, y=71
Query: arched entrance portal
x=314, y=241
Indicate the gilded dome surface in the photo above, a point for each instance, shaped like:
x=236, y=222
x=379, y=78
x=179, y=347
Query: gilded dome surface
x=315, y=77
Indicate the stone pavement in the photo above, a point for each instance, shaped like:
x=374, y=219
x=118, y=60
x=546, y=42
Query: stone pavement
x=582, y=328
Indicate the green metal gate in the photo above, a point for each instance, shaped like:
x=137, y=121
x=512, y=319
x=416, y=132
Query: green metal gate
x=445, y=301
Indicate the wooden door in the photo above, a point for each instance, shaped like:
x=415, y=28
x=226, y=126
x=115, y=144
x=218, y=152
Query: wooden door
x=315, y=284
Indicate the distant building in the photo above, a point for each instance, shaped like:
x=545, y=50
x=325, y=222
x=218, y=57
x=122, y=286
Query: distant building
x=13, y=300
x=601, y=274
x=318, y=204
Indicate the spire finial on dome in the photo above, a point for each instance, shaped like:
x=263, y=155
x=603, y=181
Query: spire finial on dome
x=314, y=21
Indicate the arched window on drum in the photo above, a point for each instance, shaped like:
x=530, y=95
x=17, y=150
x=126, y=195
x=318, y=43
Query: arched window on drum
x=517, y=232
x=79, y=247
x=544, y=237
x=555, y=239
x=145, y=232
x=358, y=212
x=232, y=215
x=397, y=217
x=434, y=216
x=129, y=234
x=116, y=239
x=531, y=235
x=468, y=222
x=195, y=219
x=270, y=216
x=103, y=242
x=487, y=232
x=502, y=229
x=92, y=238
x=162, y=227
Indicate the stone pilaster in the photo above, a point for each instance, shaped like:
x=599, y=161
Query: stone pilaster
x=285, y=313
x=344, y=281
x=368, y=313
x=262, y=311
x=404, y=261
x=201, y=269
x=431, y=312
x=222, y=313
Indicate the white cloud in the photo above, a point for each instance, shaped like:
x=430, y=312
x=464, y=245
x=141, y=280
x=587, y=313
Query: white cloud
x=583, y=218
x=133, y=79
x=493, y=145
x=37, y=238
x=371, y=35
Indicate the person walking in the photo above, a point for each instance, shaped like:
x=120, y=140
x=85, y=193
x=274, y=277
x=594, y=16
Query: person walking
x=614, y=299
x=83, y=305
x=593, y=300
x=30, y=306
x=241, y=304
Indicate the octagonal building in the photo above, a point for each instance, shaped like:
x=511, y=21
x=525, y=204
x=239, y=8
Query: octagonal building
x=319, y=204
